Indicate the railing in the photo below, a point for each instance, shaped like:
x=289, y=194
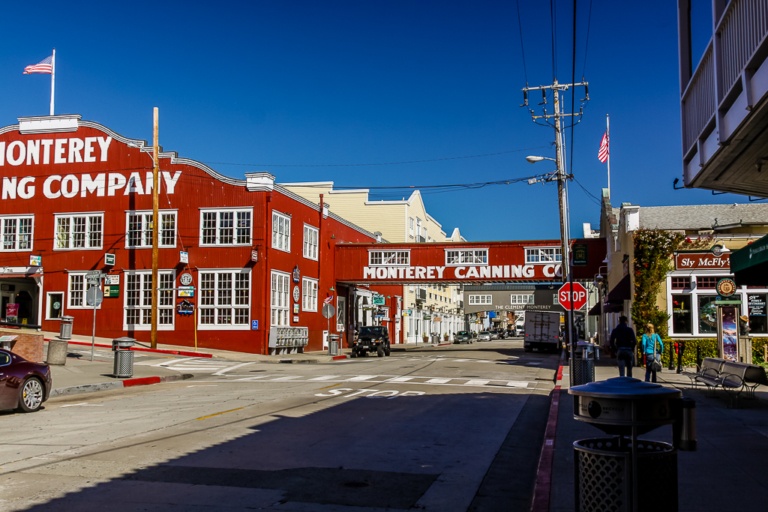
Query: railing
x=739, y=35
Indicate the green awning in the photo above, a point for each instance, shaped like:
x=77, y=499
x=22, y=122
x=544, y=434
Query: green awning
x=749, y=265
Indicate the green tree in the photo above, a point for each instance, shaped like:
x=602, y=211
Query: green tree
x=653, y=261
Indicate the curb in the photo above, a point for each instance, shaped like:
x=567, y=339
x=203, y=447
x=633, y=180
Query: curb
x=185, y=353
x=125, y=383
x=542, y=489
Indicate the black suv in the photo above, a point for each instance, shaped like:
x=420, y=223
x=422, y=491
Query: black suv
x=372, y=338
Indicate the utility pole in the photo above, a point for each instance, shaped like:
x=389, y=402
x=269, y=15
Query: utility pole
x=554, y=119
x=155, y=229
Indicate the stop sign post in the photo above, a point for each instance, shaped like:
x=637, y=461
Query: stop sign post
x=572, y=296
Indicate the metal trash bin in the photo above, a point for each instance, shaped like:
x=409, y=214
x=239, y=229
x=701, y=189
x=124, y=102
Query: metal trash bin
x=333, y=344
x=123, y=366
x=65, y=327
x=584, y=362
x=610, y=473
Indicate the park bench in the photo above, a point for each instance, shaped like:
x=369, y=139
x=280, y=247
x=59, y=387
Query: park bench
x=731, y=376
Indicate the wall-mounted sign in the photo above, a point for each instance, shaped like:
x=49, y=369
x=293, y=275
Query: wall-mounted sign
x=183, y=257
x=35, y=261
x=185, y=279
x=186, y=291
x=702, y=260
x=726, y=287
x=579, y=252
x=295, y=309
x=113, y=279
x=109, y=259
x=378, y=300
x=254, y=325
x=255, y=256
x=111, y=291
x=296, y=274
x=185, y=307
x=296, y=293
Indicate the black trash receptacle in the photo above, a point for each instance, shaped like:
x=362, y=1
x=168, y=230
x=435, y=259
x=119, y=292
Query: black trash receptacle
x=123, y=366
x=611, y=472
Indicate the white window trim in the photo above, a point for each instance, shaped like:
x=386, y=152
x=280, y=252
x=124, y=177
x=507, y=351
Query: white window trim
x=314, y=250
x=18, y=218
x=84, y=305
x=462, y=252
x=556, y=251
x=309, y=300
x=286, y=277
x=199, y=307
x=147, y=327
x=48, y=304
x=286, y=246
x=145, y=214
x=218, y=212
x=480, y=299
x=58, y=216
x=394, y=255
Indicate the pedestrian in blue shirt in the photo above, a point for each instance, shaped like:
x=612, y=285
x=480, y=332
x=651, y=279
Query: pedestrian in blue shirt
x=652, y=348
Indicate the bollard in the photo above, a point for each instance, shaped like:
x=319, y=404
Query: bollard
x=684, y=427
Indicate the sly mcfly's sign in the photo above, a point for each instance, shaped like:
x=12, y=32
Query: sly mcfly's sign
x=702, y=261
x=73, y=150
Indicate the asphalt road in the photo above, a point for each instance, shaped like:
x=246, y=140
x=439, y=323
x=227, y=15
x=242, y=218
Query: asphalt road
x=454, y=429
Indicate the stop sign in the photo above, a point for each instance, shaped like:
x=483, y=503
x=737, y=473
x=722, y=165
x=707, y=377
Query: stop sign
x=572, y=299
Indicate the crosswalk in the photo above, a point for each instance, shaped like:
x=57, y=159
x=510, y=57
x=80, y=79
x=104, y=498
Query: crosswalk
x=390, y=379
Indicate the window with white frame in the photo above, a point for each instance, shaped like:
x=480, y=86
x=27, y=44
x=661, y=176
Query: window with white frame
x=454, y=257
x=225, y=298
x=139, y=229
x=521, y=298
x=480, y=300
x=310, y=242
x=281, y=232
x=138, y=300
x=225, y=227
x=280, y=298
x=79, y=231
x=379, y=258
x=543, y=255
x=17, y=232
x=308, y=294
x=76, y=291
x=411, y=222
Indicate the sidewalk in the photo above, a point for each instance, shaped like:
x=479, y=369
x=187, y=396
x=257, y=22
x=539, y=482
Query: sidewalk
x=725, y=473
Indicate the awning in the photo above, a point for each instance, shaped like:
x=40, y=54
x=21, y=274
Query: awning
x=607, y=308
x=749, y=264
x=620, y=292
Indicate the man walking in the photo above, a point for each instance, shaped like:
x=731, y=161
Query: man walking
x=623, y=342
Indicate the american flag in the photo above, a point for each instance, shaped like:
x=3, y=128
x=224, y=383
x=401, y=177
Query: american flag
x=602, y=154
x=328, y=299
x=44, y=66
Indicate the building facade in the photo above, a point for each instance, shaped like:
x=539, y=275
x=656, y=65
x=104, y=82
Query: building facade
x=242, y=264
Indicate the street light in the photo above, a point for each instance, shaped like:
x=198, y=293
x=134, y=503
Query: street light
x=533, y=159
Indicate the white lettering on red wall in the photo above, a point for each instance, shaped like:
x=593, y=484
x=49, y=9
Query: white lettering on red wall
x=477, y=272
x=85, y=185
x=54, y=151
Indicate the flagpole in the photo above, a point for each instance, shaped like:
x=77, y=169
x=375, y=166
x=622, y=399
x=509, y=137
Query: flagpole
x=53, y=76
x=608, y=133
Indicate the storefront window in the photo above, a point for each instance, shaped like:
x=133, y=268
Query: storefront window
x=756, y=312
x=681, y=314
x=707, y=314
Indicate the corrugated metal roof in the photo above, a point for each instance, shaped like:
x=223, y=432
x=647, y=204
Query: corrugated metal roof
x=705, y=216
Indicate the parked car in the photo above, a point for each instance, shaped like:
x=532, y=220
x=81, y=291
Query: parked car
x=24, y=385
x=463, y=337
x=484, y=336
x=494, y=334
x=371, y=338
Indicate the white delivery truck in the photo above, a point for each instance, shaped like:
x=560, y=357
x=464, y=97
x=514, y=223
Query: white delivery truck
x=542, y=331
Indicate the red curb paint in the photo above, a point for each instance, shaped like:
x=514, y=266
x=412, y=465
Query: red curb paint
x=543, y=486
x=337, y=358
x=141, y=381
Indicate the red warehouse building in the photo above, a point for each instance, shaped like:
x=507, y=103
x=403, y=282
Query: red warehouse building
x=243, y=265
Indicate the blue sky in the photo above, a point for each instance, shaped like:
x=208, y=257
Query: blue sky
x=375, y=93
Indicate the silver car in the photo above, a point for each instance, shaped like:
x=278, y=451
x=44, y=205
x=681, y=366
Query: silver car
x=484, y=336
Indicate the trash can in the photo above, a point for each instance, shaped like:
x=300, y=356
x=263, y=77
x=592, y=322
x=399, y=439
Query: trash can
x=333, y=344
x=610, y=473
x=65, y=327
x=123, y=357
x=584, y=363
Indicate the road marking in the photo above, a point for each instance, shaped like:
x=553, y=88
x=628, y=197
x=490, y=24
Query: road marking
x=324, y=377
x=219, y=413
x=286, y=378
x=400, y=379
x=438, y=380
x=361, y=378
x=231, y=368
x=83, y=404
x=517, y=384
x=477, y=382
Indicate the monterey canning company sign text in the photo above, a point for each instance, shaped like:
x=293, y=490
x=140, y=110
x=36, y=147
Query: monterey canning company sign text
x=461, y=272
x=71, y=150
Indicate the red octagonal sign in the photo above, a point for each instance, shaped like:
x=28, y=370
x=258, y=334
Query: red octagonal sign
x=578, y=296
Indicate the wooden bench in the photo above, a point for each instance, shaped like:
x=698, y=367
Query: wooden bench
x=731, y=376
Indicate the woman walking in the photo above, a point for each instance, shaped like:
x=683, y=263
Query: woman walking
x=652, y=347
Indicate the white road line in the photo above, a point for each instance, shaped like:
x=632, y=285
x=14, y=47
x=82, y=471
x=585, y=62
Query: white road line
x=438, y=381
x=360, y=378
x=517, y=384
x=400, y=379
x=324, y=377
x=229, y=369
x=477, y=382
x=286, y=378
